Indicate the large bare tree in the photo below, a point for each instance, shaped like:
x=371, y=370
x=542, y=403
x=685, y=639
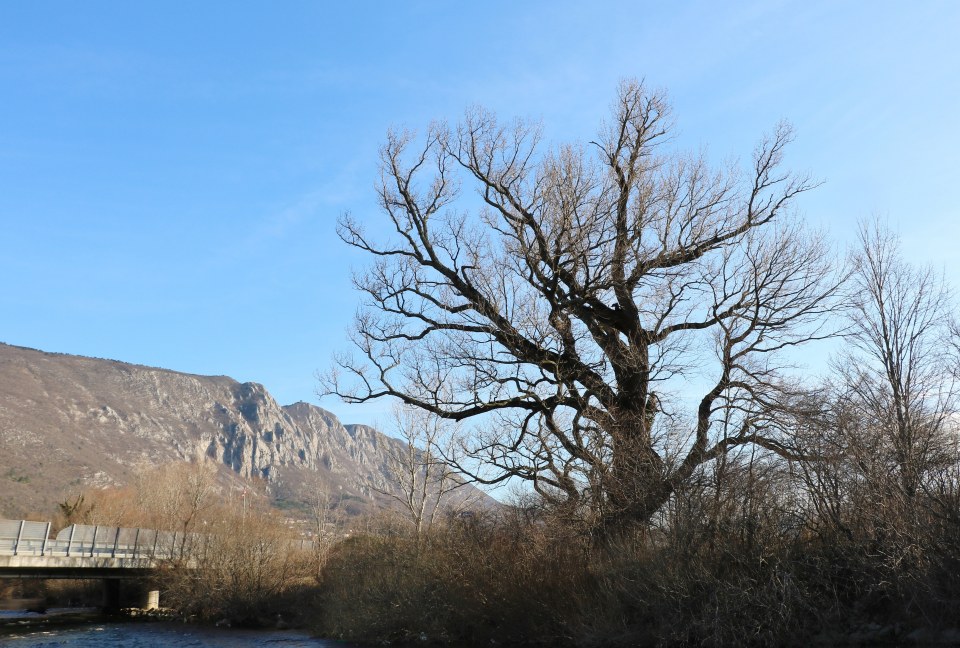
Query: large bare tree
x=578, y=295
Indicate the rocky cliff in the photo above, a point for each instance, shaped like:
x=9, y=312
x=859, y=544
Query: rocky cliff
x=70, y=422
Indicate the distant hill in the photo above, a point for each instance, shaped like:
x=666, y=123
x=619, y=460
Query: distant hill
x=71, y=422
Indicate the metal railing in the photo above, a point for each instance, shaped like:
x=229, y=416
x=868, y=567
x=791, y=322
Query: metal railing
x=26, y=538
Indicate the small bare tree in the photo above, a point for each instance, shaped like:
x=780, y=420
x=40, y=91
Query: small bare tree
x=423, y=476
x=885, y=431
x=899, y=377
x=175, y=496
x=327, y=520
x=562, y=313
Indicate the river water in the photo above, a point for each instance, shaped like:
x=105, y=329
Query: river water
x=156, y=635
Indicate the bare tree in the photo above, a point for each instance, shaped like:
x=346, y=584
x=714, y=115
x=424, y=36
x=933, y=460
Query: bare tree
x=175, y=496
x=899, y=378
x=563, y=312
x=327, y=520
x=425, y=479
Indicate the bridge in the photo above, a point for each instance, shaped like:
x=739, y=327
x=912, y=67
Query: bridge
x=80, y=551
x=109, y=554
x=87, y=551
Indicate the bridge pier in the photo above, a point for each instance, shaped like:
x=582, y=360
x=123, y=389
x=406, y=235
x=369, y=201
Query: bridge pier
x=153, y=600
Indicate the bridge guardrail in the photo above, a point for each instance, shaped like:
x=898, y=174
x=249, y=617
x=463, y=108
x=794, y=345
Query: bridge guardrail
x=27, y=538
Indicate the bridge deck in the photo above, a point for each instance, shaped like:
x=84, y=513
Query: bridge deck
x=74, y=567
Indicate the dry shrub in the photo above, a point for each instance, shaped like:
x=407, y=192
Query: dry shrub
x=735, y=559
x=716, y=569
x=247, y=568
x=237, y=560
x=473, y=581
x=885, y=553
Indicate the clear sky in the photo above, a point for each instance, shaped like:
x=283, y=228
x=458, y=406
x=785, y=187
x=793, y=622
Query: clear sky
x=171, y=172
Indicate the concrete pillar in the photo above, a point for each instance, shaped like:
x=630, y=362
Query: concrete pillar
x=153, y=600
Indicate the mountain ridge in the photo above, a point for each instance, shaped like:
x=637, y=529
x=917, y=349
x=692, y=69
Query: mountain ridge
x=69, y=422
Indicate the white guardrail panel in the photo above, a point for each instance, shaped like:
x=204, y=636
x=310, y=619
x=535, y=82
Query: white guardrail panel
x=23, y=537
x=27, y=538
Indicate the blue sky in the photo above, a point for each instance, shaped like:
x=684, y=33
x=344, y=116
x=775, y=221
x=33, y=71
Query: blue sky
x=171, y=173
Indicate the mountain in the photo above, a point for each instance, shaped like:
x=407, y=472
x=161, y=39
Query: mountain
x=70, y=422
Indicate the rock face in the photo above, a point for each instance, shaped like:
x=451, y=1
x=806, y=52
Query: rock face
x=70, y=422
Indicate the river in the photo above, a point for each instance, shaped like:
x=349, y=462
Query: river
x=155, y=635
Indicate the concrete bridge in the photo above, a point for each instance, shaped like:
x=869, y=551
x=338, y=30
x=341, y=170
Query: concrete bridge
x=86, y=551
x=109, y=554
